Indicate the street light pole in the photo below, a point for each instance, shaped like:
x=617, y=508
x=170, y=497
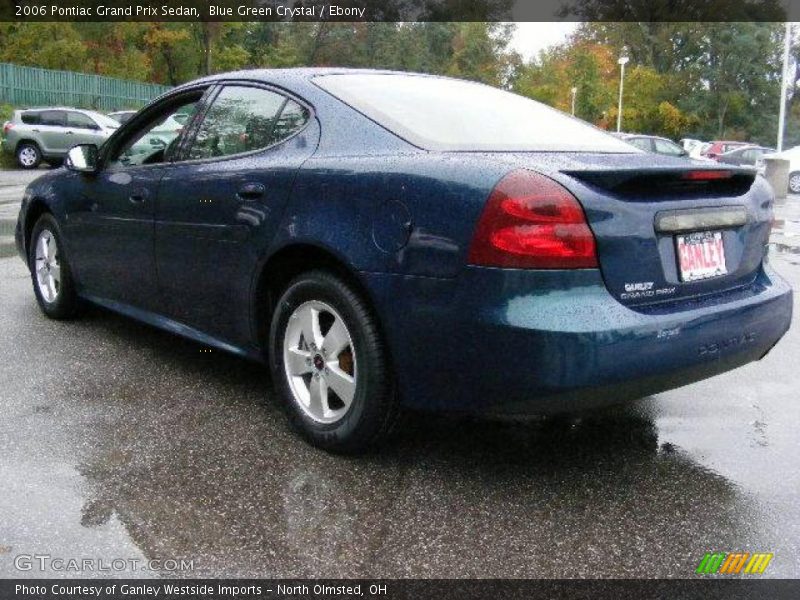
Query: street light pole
x=623, y=60
x=574, y=93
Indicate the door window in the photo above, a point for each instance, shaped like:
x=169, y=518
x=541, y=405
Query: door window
x=80, y=121
x=55, y=118
x=642, y=144
x=243, y=119
x=667, y=147
x=157, y=140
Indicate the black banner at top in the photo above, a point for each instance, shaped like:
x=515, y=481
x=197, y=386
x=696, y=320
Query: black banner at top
x=399, y=10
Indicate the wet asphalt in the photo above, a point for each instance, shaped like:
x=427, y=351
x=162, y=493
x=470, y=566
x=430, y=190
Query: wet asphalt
x=118, y=441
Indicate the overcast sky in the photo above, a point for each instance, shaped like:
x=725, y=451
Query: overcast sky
x=532, y=37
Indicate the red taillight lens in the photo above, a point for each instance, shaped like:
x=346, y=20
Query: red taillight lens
x=532, y=222
x=7, y=127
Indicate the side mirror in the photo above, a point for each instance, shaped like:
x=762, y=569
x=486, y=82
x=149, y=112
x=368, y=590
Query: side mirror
x=82, y=158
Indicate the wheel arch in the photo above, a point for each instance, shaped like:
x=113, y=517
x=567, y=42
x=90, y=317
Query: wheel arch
x=27, y=141
x=35, y=210
x=284, y=265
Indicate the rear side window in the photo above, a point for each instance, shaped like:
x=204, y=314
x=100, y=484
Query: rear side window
x=31, y=118
x=447, y=114
x=243, y=119
x=642, y=143
x=55, y=118
x=667, y=147
x=80, y=121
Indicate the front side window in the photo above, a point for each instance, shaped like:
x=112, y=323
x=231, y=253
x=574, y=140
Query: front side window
x=243, y=119
x=157, y=140
x=80, y=121
x=436, y=113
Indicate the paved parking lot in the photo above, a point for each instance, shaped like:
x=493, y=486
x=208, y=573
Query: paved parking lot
x=119, y=441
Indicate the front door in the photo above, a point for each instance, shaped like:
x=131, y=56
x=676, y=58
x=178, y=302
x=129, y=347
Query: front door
x=219, y=208
x=111, y=228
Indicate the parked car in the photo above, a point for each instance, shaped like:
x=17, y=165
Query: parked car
x=45, y=134
x=158, y=138
x=654, y=144
x=381, y=240
x=793, y=156
x=719, y=147
x=123, y=116
x=744, y=155
x=695, y=148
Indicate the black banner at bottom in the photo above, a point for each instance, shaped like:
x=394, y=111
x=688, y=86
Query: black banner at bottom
x=462, y=589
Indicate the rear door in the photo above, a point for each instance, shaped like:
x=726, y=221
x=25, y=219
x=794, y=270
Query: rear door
x=674, y=232
x=51, y=131
x=219, y=208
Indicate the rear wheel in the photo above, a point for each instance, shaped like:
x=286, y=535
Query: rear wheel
x=50, y=270
x=330, y=366
x=794, y=182
x=28, y=155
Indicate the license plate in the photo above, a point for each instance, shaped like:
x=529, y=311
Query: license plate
x=701, y=255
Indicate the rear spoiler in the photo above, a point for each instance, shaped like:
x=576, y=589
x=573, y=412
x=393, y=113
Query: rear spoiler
x=650, y=184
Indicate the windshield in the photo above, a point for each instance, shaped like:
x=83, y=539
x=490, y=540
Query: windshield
x=449, y=114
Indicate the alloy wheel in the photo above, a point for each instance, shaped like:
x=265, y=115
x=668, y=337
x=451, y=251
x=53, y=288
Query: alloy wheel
x=319, y=361
x=48, y=267
x=28, y=156
x=794, y=183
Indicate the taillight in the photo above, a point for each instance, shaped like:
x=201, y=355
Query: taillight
x=532, y=222
x=706, y=175
x=7, y=127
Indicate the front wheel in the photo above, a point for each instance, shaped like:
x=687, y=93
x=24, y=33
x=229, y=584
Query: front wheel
x=50, y=270
x=794, y=182
x=330, y=366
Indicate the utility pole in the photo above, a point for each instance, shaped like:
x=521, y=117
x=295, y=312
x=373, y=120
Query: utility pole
x=574, y=91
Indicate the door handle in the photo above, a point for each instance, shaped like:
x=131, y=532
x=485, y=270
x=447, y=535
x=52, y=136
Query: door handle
x=69, y=133
x=251, y=191
x=137, y=198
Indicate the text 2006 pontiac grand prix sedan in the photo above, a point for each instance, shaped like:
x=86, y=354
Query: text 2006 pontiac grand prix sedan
x=386, y=240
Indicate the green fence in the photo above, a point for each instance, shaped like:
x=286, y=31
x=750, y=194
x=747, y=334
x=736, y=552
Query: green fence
x=28, y=86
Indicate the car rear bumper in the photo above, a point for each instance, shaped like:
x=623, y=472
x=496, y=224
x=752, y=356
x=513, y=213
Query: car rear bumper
x=531, y=342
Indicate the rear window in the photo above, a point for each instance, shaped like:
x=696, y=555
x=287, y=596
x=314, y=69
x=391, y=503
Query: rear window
x=449, y=114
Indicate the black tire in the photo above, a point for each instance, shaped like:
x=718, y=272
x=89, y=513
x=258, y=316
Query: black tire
x=65, y=303
x=25, y=150
x=374, y=410
x=794, y=182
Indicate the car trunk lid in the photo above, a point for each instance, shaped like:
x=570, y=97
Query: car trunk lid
x=674, y=230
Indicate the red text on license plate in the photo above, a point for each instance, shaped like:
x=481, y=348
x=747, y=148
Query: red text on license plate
x=701, y=255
